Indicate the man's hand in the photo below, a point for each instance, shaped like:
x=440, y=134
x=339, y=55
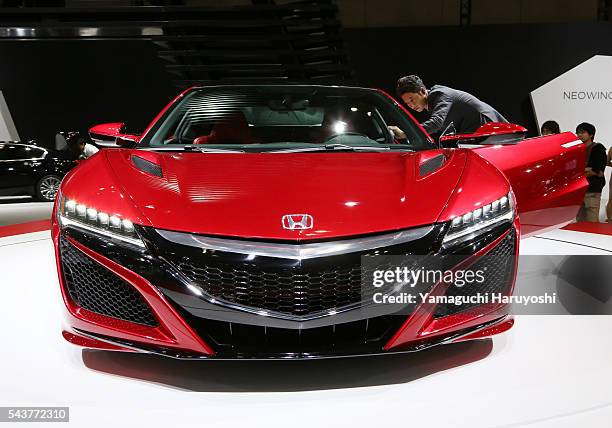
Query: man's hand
x=397, y=133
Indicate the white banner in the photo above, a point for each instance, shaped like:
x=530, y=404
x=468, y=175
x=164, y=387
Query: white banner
x=582, y=94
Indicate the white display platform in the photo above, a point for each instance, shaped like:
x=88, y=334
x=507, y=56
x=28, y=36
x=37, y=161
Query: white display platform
x=548, y=371
x=12, y=212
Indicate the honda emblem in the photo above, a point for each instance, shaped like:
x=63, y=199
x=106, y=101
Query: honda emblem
x=297, y=221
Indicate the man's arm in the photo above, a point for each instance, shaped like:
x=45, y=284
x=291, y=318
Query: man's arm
x=441, y=105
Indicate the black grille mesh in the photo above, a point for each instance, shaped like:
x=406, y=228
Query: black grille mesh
x=250, y=341
x=498, y=265
x=95, y=288
x=285, y=291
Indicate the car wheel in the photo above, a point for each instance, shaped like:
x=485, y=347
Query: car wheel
x=47, y=188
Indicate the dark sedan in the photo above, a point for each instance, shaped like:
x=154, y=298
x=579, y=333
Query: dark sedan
x=30, y=170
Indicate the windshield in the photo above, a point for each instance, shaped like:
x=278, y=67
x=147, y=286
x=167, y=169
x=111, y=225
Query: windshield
x=285, y=118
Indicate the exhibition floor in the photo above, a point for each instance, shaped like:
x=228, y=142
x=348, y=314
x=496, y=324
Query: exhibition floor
x=548, y=371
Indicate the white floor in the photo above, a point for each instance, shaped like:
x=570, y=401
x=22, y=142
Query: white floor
x=548, y=371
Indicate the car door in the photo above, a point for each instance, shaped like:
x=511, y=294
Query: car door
x=8, y=179
x=17, y=165
x=547, y=176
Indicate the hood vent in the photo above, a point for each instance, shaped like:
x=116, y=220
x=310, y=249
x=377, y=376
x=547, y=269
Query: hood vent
x=431, y=165
x=147, y=166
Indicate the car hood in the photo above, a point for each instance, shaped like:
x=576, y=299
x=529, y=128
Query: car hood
x=247, y=194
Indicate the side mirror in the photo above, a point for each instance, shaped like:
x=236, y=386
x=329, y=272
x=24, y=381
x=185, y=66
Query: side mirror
x=112, y=135
x=492, y=133
x=127, y=141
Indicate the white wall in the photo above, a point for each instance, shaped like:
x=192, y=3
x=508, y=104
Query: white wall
x=8, y=132
x=582, y=94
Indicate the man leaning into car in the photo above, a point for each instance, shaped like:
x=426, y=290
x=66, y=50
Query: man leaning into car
x=451, y=110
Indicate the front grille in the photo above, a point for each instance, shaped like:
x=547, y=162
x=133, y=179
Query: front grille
x=283, y=290
x=95, y=288
x=282, y=287
x=498, y=265
x=235, y=340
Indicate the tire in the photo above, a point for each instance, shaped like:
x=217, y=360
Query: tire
x=47, y=188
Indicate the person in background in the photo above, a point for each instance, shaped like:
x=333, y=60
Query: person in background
x=550, y=127
x=609, y=206
x=446, y=107
x=79, y=146
x=594, y=172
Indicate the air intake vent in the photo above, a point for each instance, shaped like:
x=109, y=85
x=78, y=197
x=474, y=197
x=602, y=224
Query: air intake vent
x=147, y=166
x=97, y=289
x=431, y=165
x=499, y=266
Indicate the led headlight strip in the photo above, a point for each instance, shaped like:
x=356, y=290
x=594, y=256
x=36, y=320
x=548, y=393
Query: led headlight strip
x=80, y=216
x=480, y=220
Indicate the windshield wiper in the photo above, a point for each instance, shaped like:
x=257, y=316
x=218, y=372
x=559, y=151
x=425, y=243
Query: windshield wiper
x=210, y=150
x=191, y=149
x=340, y=146
x=332, y=147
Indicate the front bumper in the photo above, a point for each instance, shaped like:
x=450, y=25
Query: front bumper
x=157, y=311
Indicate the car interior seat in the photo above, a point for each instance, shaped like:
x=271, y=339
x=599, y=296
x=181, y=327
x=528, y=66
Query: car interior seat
x=232, y=129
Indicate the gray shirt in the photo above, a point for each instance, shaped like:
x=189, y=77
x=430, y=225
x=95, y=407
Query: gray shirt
x=465, y=111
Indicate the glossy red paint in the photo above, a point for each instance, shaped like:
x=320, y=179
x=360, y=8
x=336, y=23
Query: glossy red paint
x=94, y=184
x=173, y=331
x=546, y=177
x=347, y=194
x=480, y=184
x=421, y=325
x=487, y=130
x=113, y=130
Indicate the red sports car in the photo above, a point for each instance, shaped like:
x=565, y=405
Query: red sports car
x=235, y=226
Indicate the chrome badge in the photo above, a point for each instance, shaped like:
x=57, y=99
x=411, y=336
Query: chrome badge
x=297, y=221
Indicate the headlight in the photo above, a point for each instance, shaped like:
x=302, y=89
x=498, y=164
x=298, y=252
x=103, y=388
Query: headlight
x=480, y=220
x=80, y=216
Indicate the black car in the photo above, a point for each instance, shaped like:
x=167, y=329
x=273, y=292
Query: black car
x=27, y=169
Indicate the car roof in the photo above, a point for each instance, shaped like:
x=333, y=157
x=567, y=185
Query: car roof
x=18, y=143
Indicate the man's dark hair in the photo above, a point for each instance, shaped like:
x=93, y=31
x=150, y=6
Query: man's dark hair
x=552, y=126
x=410, y=83
x=74, y=140
x=587, y=127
